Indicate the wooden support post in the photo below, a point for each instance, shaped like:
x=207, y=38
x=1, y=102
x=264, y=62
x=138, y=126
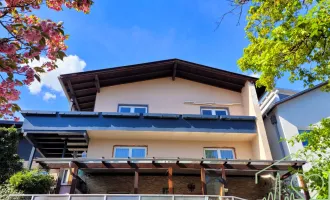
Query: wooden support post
x=222, y=186
x=203, y=181
x=59, y=181
x=136, y=182
x=170, y=180
x=33, y=151
x=304, y=187
x=74, y=180
x=64, y=149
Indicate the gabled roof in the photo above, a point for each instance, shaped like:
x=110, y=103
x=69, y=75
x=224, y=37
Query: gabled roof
x=82, y=87
x=295, y=96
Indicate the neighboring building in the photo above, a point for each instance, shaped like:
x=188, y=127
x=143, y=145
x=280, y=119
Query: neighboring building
x=166, y=127
x=24, y=147
x=289, y=116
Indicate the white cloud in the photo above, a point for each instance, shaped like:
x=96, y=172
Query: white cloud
x=255, y=75
x=70, y=64
x=47, y=96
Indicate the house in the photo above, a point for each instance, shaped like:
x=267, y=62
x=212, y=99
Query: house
x=24, y=148
x=169, y=127
x=289, y=116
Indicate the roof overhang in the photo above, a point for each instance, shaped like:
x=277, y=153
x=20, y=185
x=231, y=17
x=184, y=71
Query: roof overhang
x=81, y=88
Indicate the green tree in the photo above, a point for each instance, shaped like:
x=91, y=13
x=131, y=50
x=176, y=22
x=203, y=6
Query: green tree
x=317, y=153
x=10, y=162
x=31, y=182
x=287, y=36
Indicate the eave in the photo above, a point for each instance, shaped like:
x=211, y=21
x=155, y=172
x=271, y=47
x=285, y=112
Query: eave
x=81, y=88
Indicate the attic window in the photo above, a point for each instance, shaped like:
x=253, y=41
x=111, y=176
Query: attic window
x=214, y=111
x=133, y=109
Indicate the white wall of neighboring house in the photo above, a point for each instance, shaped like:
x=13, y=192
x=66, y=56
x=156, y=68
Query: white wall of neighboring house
x=293, y=115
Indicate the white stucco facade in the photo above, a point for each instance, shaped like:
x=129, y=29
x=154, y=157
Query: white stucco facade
x=293, y=115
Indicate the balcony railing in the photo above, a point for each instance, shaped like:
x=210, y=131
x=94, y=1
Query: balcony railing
x=118, y=197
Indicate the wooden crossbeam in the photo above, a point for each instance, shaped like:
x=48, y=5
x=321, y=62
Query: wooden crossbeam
x=97, y=83
x=73, y=96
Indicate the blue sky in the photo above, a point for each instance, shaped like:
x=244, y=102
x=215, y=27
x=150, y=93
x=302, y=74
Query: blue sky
x=124, y=32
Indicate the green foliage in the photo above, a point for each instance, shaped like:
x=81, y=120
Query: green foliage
x=288, y=36
x=31, y=182
x=317, y=152
x=9, y=160
x=5, y=191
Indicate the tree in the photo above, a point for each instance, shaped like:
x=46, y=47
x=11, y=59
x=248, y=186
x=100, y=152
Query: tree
x=287, y=36
x=317, y=153
x=28, y=38
x=31, y=182
x=10, y=162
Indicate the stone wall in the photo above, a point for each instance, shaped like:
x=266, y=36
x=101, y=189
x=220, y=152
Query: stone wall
x=103, y=184
x=243, y=187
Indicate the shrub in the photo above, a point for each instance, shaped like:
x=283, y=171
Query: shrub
x=31, y=182
x=5, y=191
x=10, y=162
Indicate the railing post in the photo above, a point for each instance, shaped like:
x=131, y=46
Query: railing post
x=173, y=197
x=32, y=198
x=105, y=197
x=69, y=197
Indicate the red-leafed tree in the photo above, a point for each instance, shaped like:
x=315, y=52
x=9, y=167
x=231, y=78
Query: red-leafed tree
x=28, y=38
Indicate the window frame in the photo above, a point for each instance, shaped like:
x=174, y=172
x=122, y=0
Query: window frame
x=132, y=107
x=130, y=150
x=65, y=180
x=218, y=151
x=214, y=109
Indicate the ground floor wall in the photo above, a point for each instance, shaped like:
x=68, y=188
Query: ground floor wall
x=110, y=184
x=240, y=186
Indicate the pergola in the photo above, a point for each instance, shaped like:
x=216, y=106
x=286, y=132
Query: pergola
x=258, y=167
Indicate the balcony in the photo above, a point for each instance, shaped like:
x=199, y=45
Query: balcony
x=120, y=197
x=78, y=121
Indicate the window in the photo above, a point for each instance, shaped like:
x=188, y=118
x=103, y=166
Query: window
x=132, y=109
x=132, y=152
x=214, y=111
x=65, y=177
x=304, y=143
x=219, y=153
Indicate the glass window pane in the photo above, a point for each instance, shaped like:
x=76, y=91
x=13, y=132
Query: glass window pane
x=138, y=153
x=226, y=154
x=140, y=110
x=304, y=143
x=124, y=109
x=206, y=112
x=211, y=154
x=121, y=152
x=220, y=112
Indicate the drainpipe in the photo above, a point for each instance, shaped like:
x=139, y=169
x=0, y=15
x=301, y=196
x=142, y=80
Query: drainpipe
x=274, y=122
